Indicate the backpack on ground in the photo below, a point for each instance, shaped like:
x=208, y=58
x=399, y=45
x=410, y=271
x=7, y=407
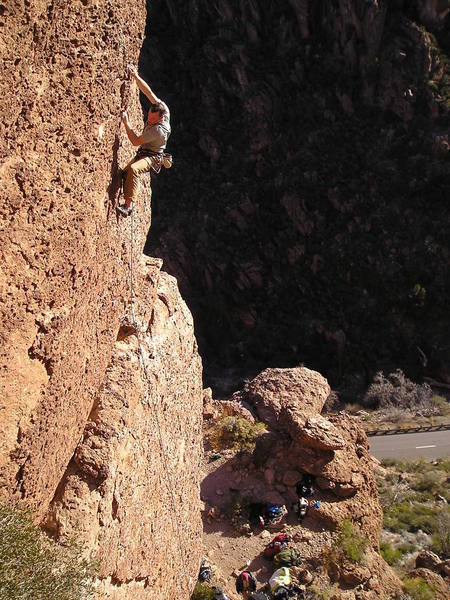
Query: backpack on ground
x=246, y=582
x=280, y=578
x=287, y=557
x=205, y=572
x=256, y=512
x=304, y=489
x=282, y=537
x=282, y=593
x=261, y=595
x=276, y=545
x=274, y=512
x=220, y=595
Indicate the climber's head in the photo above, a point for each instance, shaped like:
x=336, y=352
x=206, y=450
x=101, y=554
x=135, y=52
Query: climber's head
x=155, y=113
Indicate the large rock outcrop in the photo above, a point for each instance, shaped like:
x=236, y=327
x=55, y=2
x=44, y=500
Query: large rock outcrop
x=75, y=291
x=335, y=450
x=132, y=487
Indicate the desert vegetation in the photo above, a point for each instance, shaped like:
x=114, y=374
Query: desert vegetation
x=349, y=545
x=33, y=566
x=235, y=433
x=394, y=400
x=415, y=497
x=418, y=589
x=203, y=591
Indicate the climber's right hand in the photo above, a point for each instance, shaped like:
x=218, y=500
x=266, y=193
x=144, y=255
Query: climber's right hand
x=124, y=117
x=132, y=70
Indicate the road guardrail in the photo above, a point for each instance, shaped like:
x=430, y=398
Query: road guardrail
x=397, y=430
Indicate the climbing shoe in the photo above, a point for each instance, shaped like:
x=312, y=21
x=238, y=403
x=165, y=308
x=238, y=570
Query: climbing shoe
x=124, y=211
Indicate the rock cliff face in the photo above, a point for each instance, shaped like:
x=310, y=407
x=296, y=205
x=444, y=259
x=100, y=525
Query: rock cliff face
x=98, y=434
x=323, y=129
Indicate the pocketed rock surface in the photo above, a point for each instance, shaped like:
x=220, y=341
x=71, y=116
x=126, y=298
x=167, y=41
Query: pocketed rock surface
x=132, y=486
x=344, y=484
x=70, y=269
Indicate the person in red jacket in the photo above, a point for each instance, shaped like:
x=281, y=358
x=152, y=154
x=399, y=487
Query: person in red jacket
x=245, y=583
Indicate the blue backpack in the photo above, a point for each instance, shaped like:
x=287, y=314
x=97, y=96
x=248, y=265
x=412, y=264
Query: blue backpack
x=274, y=511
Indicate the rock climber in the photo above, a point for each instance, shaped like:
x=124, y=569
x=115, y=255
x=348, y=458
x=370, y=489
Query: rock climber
x=151, y=142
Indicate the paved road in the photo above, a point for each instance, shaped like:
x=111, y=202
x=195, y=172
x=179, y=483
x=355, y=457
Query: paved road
x=433, y=444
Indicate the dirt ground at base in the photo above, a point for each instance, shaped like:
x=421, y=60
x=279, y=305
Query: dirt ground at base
x=228, y=551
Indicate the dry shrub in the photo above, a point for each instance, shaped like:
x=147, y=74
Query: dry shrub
x=396, y=390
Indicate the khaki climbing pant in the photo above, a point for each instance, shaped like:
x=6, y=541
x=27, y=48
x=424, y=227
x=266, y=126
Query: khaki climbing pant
x=133, y=172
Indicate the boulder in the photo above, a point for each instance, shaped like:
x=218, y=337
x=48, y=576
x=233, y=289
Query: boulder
x=319, y=432
x=441, y=587
x=285, y=398
x=427, y=560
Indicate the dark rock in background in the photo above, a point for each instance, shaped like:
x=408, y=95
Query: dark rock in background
x=306, y=216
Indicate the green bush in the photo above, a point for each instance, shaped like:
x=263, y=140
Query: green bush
x=407, y=548
x=351, y=543
x=203, y=591
x=432, y=482
x=443, y=464
x=390, y=555
x=394, y=555
x=441, y=536
x=441, y=406
x=236, y=433
x=34, y=567
x=418, y=589
x=410, y=516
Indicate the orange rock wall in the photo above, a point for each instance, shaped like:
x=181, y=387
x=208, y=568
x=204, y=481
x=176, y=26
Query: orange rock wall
x=64, y=253
x=134, y=477
x=65, y=289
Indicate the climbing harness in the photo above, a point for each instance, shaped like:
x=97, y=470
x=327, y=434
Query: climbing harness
x=159, y=159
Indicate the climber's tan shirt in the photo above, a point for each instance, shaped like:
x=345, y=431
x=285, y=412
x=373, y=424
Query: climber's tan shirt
x=156, y=136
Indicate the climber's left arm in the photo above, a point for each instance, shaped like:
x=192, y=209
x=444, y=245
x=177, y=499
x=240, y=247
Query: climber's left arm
x=143, y=86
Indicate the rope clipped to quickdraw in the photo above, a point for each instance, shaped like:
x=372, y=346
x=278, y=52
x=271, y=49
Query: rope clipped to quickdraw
x=153, y=402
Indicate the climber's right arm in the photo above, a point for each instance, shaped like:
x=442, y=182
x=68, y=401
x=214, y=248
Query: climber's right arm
x=136, y=140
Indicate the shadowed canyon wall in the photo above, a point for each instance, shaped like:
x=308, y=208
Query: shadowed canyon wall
x=100, y=425
x=307, y=217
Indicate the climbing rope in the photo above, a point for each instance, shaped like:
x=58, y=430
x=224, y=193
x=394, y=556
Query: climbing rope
x=140, y=336
x=154, y=403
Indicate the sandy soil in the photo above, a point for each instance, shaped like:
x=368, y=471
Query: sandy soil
x=226, y=549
